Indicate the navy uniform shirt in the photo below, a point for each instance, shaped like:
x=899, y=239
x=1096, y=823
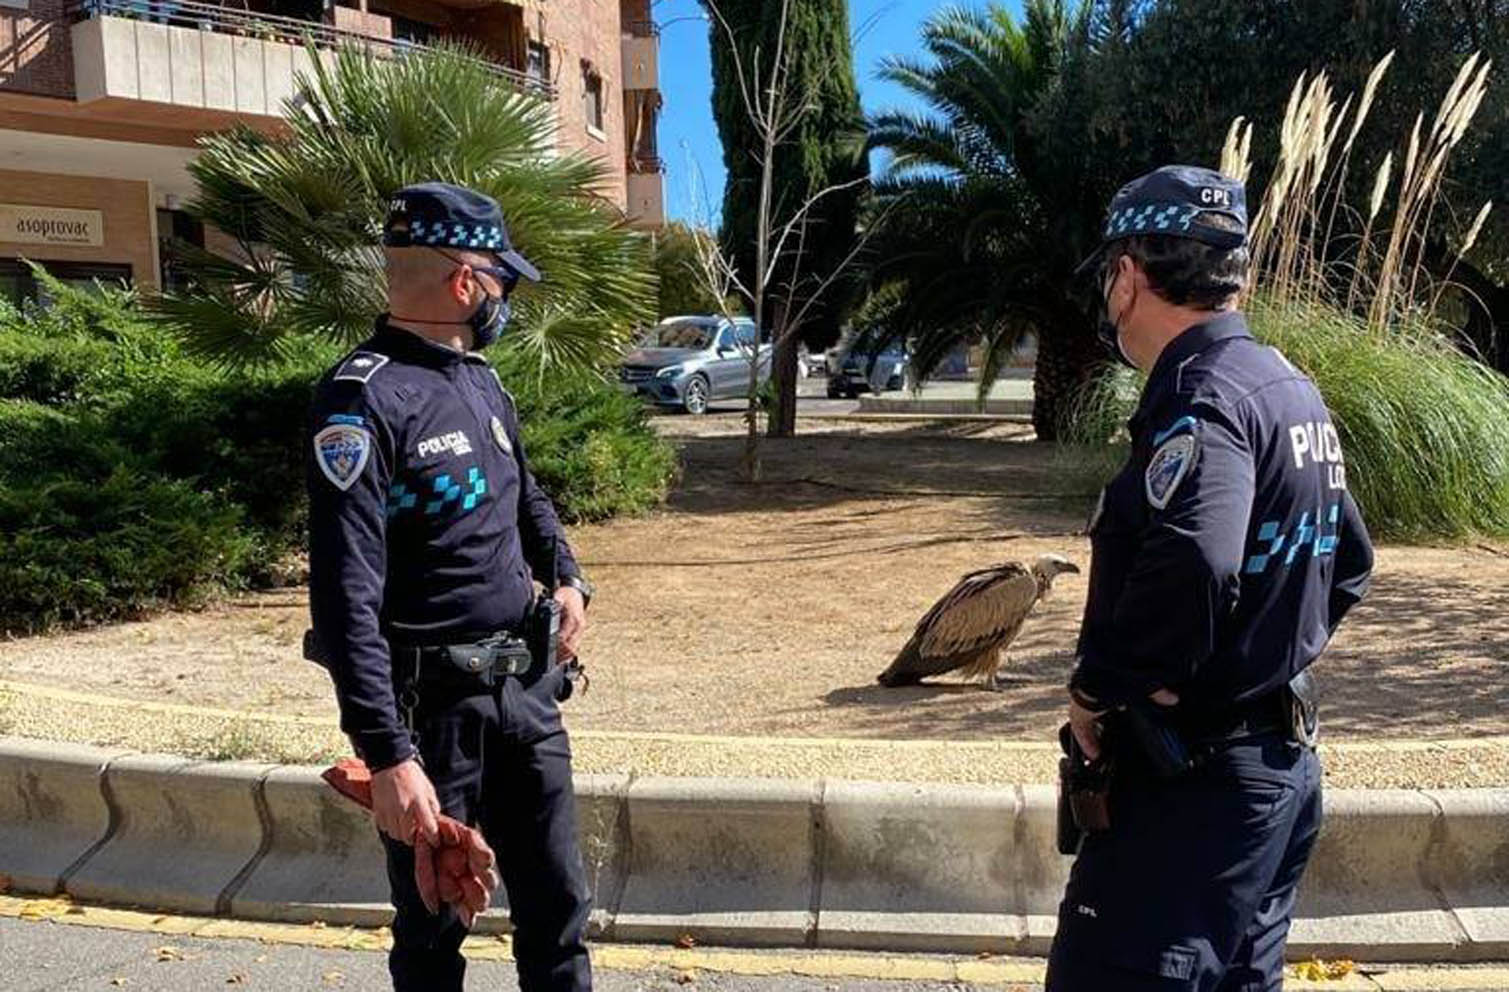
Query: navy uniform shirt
x=426, y=526
x=1227, y=549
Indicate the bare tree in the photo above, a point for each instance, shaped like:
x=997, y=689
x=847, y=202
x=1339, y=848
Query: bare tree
x=780, y=236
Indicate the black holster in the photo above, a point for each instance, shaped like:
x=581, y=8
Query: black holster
x=1084, y=793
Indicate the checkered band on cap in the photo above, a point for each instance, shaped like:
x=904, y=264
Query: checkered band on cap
x=1150, y=218
x=457, y=234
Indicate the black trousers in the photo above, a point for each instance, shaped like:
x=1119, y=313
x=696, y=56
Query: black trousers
x=1193, y=886
x=501, y=763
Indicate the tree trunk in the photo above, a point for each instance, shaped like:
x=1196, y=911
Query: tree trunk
x=1068, y=357
x=783, y=373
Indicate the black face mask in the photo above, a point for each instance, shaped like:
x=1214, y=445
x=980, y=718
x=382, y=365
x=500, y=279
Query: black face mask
x=488, y=320
x=1107, y=331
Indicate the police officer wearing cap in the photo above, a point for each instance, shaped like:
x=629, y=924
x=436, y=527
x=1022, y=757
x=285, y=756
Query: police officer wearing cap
x=1224, y=554
x=427, y=536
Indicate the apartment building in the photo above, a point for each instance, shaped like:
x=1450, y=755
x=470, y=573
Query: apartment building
x=101, y=102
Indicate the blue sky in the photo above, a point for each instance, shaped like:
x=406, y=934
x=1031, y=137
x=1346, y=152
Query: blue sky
x=688, y=138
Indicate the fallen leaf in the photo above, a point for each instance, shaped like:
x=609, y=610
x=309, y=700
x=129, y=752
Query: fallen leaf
x=117, y=981
x=236, y=979
x=259, y=959
x=685, y=976
x=46, y=909
x=168, y=954
x=686, y=941
x=1316, y=970
x=317, y=924
x=332, y=978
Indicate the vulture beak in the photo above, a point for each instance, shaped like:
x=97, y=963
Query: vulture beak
x=1069, y=566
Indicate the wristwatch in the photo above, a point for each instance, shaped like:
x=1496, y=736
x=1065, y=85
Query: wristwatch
x=581, y=585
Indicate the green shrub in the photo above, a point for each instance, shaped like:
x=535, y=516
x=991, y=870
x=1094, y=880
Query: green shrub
x=1422, y=424
x=133, y=476
x=590, y=446
x=77, y=551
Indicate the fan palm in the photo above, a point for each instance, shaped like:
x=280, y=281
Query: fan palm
x=305, y=208
x=984, y=208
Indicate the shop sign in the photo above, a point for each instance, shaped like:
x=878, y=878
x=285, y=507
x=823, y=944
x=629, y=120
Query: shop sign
x=29, y=225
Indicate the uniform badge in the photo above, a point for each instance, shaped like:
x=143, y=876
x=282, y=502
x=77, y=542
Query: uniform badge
x=501, y=436
x=341, y=451
x=1167, y=468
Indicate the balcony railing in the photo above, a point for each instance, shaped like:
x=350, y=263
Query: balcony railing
x=272, y=27
x=644, y=165
x=642, y=29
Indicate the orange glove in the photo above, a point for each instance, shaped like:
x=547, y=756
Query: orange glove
x=461, y=870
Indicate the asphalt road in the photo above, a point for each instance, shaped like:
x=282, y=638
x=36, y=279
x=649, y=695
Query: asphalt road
x=44, y=956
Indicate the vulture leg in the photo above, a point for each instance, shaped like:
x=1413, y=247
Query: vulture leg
x=993, y=680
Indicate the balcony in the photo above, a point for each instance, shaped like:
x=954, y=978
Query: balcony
x=646, y=196
x=217, y=63
x=641, y=55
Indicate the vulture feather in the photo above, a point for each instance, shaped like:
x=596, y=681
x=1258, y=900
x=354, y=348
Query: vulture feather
x=971, y=626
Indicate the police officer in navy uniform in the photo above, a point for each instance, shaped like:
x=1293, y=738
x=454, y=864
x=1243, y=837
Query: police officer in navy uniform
x=427, y=536
x=1225, y=553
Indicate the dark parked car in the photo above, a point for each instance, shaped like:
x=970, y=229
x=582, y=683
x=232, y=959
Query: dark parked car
x=867, y=372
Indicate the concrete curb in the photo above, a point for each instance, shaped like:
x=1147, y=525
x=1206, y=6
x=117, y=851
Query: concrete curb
x=995, y=408
x=52, y=812
x=321, y=859
x=1397, y=875
x=181, y=833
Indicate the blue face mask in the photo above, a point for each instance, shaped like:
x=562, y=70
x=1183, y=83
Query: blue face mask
x=488, y=320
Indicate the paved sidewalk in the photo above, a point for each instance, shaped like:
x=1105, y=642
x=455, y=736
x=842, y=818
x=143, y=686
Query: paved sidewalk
x=51, y=946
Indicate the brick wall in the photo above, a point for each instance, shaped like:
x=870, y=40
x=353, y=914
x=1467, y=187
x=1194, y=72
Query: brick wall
x=587, y=29
x=129, y=219
x=35, y=52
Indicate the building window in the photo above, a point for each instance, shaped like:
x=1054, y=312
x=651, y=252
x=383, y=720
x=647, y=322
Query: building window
x=592, y=99
x=174, y=229
x=18, y=286
x=537, y=62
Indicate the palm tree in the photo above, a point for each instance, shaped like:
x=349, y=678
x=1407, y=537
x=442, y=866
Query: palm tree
x=989, y=201
x=305, y=208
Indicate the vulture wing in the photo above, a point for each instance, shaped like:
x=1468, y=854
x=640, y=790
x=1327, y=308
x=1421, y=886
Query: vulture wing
x=983, y=612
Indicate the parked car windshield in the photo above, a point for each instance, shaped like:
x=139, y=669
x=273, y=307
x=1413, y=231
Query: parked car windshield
x=682, y=334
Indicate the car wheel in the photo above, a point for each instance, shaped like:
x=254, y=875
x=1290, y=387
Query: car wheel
x=694, y=398
x=894, y=384
x=834, y=391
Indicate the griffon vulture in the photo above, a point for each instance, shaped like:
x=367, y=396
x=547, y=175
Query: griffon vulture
x=971, y=627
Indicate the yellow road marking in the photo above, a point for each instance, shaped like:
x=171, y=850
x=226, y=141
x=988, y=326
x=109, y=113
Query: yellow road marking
x=639, y=957
x=148, y=706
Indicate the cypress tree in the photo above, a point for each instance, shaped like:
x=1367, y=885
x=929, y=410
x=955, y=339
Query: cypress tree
x=824, y=149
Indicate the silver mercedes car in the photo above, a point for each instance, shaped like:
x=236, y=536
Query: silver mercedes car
x=685, y=363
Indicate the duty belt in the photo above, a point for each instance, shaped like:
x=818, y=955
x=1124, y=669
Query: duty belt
x=477, y=666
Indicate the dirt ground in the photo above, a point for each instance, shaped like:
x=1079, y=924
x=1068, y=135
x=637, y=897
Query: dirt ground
x=768, y=610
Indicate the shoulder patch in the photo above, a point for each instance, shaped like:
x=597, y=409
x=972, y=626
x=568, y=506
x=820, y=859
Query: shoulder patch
x=359, y=366
x=1167, y=468
x=341, y=451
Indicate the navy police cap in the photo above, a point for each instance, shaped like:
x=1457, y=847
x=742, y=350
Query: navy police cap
x=441, y=215
x=1177, y=200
